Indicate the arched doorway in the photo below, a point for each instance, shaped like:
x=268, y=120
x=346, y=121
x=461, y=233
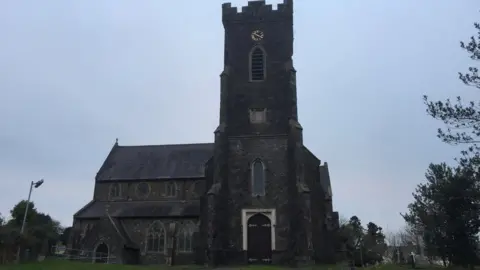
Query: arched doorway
x=101, y=253
x=259, y=239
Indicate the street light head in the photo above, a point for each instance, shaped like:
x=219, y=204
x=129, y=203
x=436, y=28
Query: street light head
x=38, y=183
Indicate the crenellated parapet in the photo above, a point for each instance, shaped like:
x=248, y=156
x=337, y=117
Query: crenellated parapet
x=257, y=11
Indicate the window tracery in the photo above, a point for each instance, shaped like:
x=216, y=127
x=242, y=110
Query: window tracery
x=185, y=237
x=156, y=238
x=170, y=189
x=114, y=191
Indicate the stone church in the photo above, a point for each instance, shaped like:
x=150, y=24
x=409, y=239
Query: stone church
x=254, y=195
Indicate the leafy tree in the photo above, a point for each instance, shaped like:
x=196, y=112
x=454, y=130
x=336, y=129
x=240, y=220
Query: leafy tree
x=363, y=246
x=472, y=78
x=374, y=243
x=446, y=209
x=40, y=229
x=447, y=206
x=2, y=230
x=462, y=118
x=18, y=211
x=351, y=233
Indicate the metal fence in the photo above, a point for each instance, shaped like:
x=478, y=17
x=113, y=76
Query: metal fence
x=81, y=255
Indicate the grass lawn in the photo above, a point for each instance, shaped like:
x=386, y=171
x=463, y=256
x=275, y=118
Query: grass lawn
x=68, y=265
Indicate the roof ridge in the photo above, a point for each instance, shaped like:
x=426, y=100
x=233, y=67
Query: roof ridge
x=174, y=144
x=150, y=201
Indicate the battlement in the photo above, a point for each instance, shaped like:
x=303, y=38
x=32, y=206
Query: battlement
x=257, y=10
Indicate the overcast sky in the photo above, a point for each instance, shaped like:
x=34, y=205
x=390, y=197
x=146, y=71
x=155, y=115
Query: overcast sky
x=75, y=75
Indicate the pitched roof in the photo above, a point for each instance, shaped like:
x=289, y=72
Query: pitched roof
x=129, y=209
x=155, y=162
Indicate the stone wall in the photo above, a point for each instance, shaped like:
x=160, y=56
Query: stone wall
x=187, y=189
x=89, y=233
x=272, y=152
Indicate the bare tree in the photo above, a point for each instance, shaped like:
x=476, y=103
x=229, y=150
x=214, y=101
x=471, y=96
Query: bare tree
x=343, y=221
x=404, y=239
x=407, y=236
x=392, y=239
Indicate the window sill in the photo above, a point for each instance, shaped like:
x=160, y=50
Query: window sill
x=184, y=252
x=155, y=252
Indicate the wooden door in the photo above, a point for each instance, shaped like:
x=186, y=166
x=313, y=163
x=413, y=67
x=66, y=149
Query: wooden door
x=259, y=237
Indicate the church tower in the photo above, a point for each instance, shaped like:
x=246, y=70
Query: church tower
x=258, y=199
x=258, y=82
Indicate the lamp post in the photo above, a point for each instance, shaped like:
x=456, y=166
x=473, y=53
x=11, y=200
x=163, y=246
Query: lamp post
x=32, y=185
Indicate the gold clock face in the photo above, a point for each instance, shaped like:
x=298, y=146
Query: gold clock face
x=257, y=35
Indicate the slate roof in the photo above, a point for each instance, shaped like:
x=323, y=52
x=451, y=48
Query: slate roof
x=155, y=162
x=97, y=209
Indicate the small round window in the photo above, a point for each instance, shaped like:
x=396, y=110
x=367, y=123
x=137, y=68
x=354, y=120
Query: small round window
x=143, y=190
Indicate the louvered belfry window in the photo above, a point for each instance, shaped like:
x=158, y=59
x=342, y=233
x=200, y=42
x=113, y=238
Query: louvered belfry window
x=257, y=65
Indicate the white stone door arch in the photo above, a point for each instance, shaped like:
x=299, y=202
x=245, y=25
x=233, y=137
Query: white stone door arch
x=103, y=250
x=248, y=213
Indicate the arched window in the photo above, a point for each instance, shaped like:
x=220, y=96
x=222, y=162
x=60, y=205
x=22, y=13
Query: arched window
x=85, y=230
x=156, y=238
x=170, y=189
x=258, y=178
x=194, y=190
x=115, y=191
x=185, y=237
x=257, y=64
